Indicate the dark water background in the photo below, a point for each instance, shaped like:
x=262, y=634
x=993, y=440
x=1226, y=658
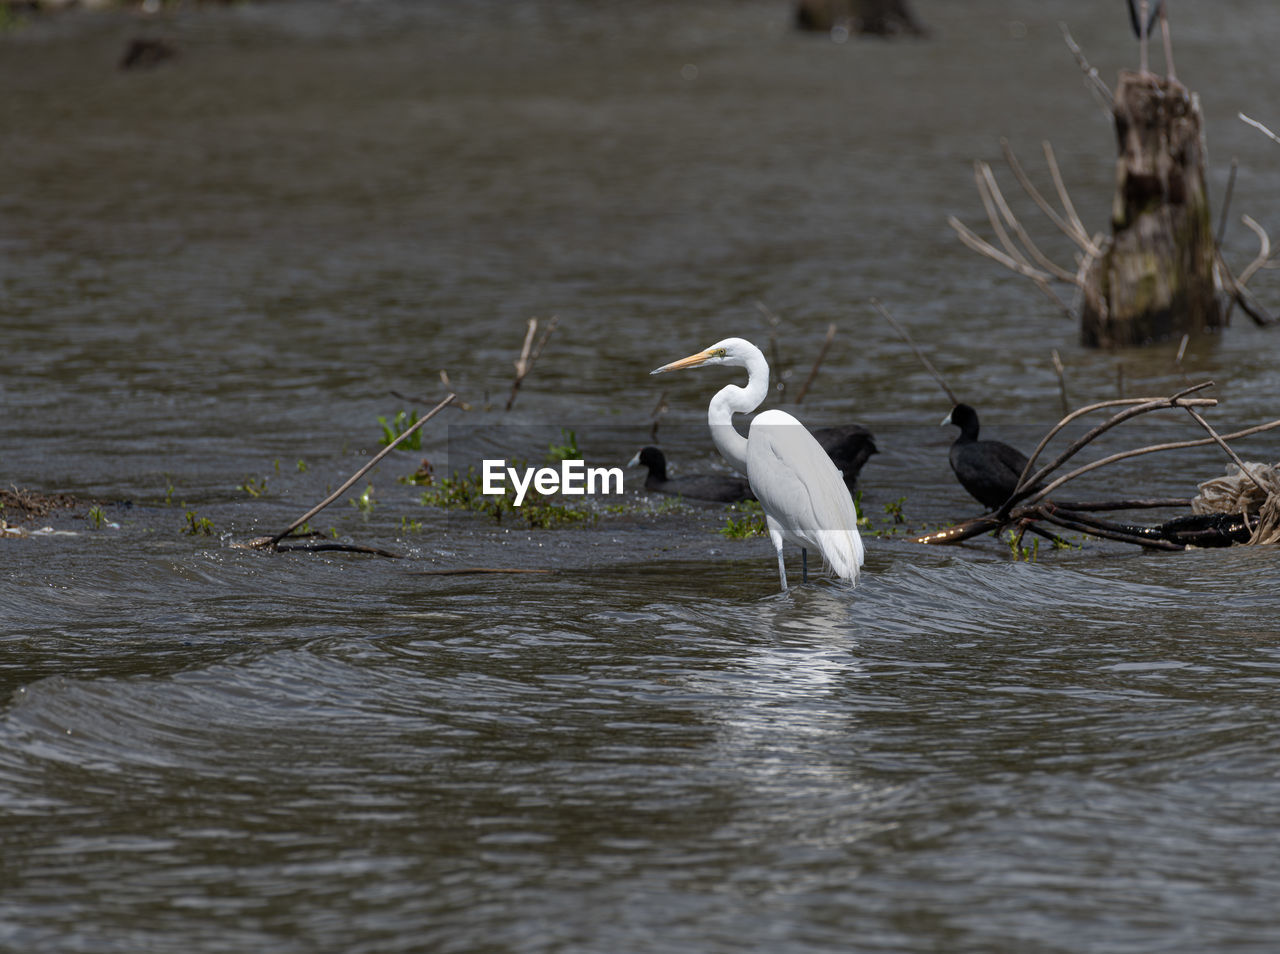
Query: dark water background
x=216, y=269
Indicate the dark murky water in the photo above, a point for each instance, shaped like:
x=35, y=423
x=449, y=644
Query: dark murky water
x=214, y=270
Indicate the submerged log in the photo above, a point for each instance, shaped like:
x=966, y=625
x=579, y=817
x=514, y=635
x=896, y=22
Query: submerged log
x=1155, y=278
x=876, y=17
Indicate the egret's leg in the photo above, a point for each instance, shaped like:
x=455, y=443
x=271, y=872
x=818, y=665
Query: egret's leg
x=804, y=565
x=775, y=534
x=1168, y=43
x=1142, y=37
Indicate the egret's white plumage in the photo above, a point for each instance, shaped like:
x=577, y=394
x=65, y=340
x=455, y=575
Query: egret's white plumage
x=802, y=492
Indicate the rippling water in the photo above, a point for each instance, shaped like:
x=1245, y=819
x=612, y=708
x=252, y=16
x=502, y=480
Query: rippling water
x=215, y=270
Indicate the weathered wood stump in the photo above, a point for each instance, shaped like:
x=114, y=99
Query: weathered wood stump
x=1155, y=277
x=878, y=17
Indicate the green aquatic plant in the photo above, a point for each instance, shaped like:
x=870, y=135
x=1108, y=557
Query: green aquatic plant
x=10, y=19
x=1019, y=551
x=660, y=505
x=568, y=450
x=425, y=474
x=197, y=525
x=466, y=492
x=750, y=521
x=402, y=421
x=894, y=510
x=254, y=486
x=365, y=502
x=96, y=517
x=302, y=466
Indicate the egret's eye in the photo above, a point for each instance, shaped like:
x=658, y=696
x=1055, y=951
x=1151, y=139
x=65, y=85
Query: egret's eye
x=719, y=352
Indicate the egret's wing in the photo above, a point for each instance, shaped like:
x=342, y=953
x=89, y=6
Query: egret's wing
x=799, y=486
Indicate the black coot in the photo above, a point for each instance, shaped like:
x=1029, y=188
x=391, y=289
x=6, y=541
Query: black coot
x=721, y=488
x=989, y=470
x=849, y=447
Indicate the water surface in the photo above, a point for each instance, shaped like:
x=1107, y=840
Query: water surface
x=212, y=271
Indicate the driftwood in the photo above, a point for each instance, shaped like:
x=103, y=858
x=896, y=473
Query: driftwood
x=1159, y=273
x=1031, y=503
x=273, y=543
x=905, y=335
x=1155, y=279
x=817, y=363
x=529, y=354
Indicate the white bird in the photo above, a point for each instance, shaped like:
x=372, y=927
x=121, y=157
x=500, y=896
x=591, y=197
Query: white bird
x=804, y=497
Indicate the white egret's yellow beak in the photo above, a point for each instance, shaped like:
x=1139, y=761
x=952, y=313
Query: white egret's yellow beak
x=690, y=362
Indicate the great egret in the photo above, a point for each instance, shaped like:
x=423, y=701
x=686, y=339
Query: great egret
x=1142, y=17
x=1140, y=29
x=849, y=447
x=804, y=498
x=723, y=488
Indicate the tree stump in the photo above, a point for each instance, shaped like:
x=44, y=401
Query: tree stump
x=878, y=17
x=1155, y=277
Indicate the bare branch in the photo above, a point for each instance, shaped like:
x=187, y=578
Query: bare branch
x=986, y=186
x=529, y=354
x=1226, y=201
x=1063, y=195
x=264, y=543
x=817, y=363
x=982, y=247
x=1062, y=381
x=1264, y=250
x=1231, y=453
x=1241, y=295
x=1261, y=128
x=1023, y=481
x=1152, y=449
x=1098, y=528
x=1079, y=236
x=656, y=414
x=875, y=303
x=1092, y=79
x=993, y=190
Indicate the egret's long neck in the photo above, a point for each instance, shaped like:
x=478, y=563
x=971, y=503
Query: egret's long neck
x=737, y=400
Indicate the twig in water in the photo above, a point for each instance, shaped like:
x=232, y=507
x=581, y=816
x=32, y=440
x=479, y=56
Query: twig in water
x=775, y=359
x=1096, y=83
x=1226, y=201
x=875, y=303
x=1062, y=382
x=1177, y=360
x=1134, y=407
x=1231, y=453
x=983, y=247
x=1070, y=226
x=659, y=410
x=529, y=354
x=1264, y=250
x=272, y=543
x=1261, y=128
x=817, y=362
x=1051, y=160
x=345, y=547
